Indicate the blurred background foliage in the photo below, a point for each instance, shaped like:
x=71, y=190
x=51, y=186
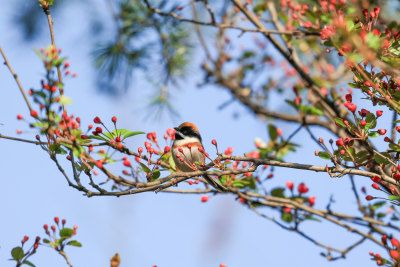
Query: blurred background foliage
x=160, y=46
x=129, y=41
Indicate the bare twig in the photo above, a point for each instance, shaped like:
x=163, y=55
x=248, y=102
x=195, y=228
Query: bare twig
x=16, y=79
x=224, y=26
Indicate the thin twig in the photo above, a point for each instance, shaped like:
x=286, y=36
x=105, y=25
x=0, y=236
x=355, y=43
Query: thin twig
x=224, y=26
x=16, y=79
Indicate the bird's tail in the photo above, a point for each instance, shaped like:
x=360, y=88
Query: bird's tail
x=215, y=184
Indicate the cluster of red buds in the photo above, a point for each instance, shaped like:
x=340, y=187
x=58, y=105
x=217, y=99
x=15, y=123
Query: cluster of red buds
x=393, y=249
x=302, y=189
x=64, y=233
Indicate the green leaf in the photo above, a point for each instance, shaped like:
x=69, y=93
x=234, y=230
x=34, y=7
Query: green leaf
x=109, y=135
x=353, y=85
x=292, y=103
x=57, y=149
x=287, y=217
x=172, y=163
x=145, y=168
x=362, y=156
x=324, y=155
x=311, y=110
x=310, y=217
x=66, y=232
x=156, y=174
x=46, y=241
x=382, y=159
x=17, y=253
x=57, y=62
x=28, y=263
x=273, y=133
x=239, y=184
x=393, y=197
x=126, y=133
x=37, y=52
x=377, y=205
x=373, y=134
x=371, y=121
x=340, y=122
x=97, y=137
x=381, y=215
x=74, y=243
x=260, y=8
x=278, y=192
x=394, y=147
x=65, y=100
x=373, y=40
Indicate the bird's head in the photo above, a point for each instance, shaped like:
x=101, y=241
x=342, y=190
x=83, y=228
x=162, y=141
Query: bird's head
x=187, y=130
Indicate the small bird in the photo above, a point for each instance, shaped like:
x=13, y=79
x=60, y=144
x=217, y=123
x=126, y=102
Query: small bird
x=186, y=146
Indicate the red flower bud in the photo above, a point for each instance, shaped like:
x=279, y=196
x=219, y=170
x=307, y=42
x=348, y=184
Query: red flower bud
x=375, y=186
x=127, y=163
x=204, y=198
x=289, y=185
x=384, y=239
x=348, y=97
x=339, y=142
x=394, y=254
x=369, y=197
x=34, y=113
x=114, y=119
x=379, y=113
x=97, y=120
x=99, y=130
x=363, y=123
x=99, y=164
x=56, y=220
x=19, y=117
x=376, y=179
x=351, y=106
x=311, y=200
x=214, y=142
x=287, y=210
x=147, y=145
x=395, y=242
x=167, y=149
x=381, y=131
x=302, y=188
x=363, y=112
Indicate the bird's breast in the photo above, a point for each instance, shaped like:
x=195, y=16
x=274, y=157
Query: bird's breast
x=189, y=155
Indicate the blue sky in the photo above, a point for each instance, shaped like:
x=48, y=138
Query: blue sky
x=167, y=230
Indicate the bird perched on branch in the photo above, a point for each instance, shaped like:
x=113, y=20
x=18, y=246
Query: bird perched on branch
x=187, y=150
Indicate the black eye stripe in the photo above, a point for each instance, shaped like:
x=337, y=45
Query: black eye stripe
x=187, y=131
